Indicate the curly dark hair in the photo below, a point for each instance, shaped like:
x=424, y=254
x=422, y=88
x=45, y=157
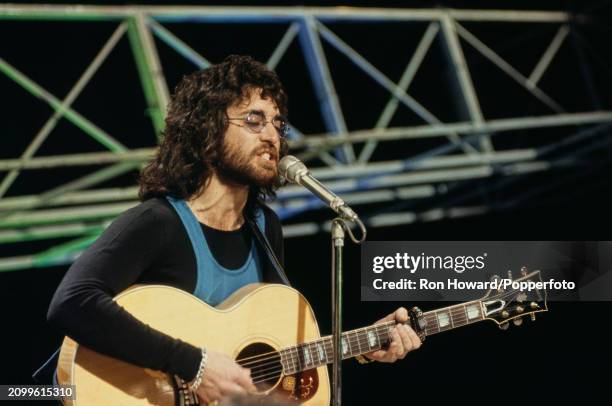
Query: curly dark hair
x=196, y=122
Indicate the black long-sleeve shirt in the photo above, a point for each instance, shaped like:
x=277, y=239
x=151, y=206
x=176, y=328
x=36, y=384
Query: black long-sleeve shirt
x=147, y=244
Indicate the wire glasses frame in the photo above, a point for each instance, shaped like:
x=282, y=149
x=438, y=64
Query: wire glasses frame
x=255, y=122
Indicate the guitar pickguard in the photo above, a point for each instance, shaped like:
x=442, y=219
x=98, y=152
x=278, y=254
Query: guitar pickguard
x=299, y=387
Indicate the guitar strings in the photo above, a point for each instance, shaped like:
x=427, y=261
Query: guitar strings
x=287, y=349
x=273, y=366
x=463, y=318
x=458, y=316
x=273, y=356
x=270, y=358
x=268, y=377
x=275, y=374
x=269, y=374
x=264, y=362
x=295, y=361
x=295, y=357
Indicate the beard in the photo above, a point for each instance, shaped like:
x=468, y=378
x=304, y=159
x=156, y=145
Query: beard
x=238, y=167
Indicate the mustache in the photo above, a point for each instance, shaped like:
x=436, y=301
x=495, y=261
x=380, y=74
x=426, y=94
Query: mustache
x=270, y=150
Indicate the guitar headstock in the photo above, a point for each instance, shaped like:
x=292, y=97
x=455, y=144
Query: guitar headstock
x=515, y=299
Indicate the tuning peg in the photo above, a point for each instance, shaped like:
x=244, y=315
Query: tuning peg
x=505, y=314
x=520, y=309
x=504, y=326
x=517, y=322
x=534, y=305
x=532, y=316
x=524, y=270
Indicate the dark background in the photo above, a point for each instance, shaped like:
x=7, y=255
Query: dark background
x=565, y=353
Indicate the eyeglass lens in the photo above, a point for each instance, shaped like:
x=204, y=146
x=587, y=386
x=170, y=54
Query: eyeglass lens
x=256, y=121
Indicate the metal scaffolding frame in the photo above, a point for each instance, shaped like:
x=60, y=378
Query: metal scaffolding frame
x=468, y=151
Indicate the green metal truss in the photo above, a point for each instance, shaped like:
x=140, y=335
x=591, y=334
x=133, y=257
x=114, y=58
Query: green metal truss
x=79, y=210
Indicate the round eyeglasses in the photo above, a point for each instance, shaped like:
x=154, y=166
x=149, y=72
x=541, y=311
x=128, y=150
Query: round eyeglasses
x=255, y=121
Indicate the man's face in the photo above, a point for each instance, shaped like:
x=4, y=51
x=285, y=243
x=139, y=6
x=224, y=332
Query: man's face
x=250, y=158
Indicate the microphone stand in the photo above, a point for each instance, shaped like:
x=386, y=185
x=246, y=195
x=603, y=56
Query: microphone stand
x=337, y=238
x=291, y=169
x=337, y=235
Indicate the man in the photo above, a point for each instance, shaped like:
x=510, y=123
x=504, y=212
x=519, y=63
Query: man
x=224, y=136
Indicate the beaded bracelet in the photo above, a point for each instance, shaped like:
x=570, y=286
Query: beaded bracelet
x=197, y=381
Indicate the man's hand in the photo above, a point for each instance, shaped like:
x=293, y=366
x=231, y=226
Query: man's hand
x=223, y=377
x=403, y=339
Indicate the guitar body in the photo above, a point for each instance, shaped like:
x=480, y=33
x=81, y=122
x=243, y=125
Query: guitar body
x=255, y=321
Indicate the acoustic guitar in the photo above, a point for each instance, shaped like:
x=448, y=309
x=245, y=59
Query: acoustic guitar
x=270, y=329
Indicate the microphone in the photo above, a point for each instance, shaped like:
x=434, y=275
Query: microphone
x=295, y=171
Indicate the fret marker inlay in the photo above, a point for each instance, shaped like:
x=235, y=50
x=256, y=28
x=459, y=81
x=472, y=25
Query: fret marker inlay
x=307, y=358
x=372, y=339
x=321, y=351
x=472, y=311
x=443, y=319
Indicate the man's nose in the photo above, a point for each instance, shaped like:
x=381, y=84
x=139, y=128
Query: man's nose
x=270, y=133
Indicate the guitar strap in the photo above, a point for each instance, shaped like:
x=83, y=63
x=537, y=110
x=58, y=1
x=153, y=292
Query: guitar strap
x=45, y=375
x=265, y=247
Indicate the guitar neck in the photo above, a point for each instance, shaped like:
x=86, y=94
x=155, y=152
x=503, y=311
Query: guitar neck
x=367, y=339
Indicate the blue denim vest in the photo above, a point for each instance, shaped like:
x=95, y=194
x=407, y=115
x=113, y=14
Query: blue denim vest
x=214, y=282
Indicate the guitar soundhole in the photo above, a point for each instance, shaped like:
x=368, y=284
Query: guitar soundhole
x=264, y=363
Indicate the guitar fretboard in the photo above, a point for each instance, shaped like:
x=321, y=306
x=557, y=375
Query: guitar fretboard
x=367, y=339
x=451, y=317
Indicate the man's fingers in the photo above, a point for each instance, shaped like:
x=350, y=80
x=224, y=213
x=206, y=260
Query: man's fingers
x=391, y=355
x=378, y=355
x=244, y=380
x=401, y=315
x=416, y=341
x=229, y=388
x=390, y=317
x=403, y=338
x=407, y=342
x=397, y=343
x=210, y=394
